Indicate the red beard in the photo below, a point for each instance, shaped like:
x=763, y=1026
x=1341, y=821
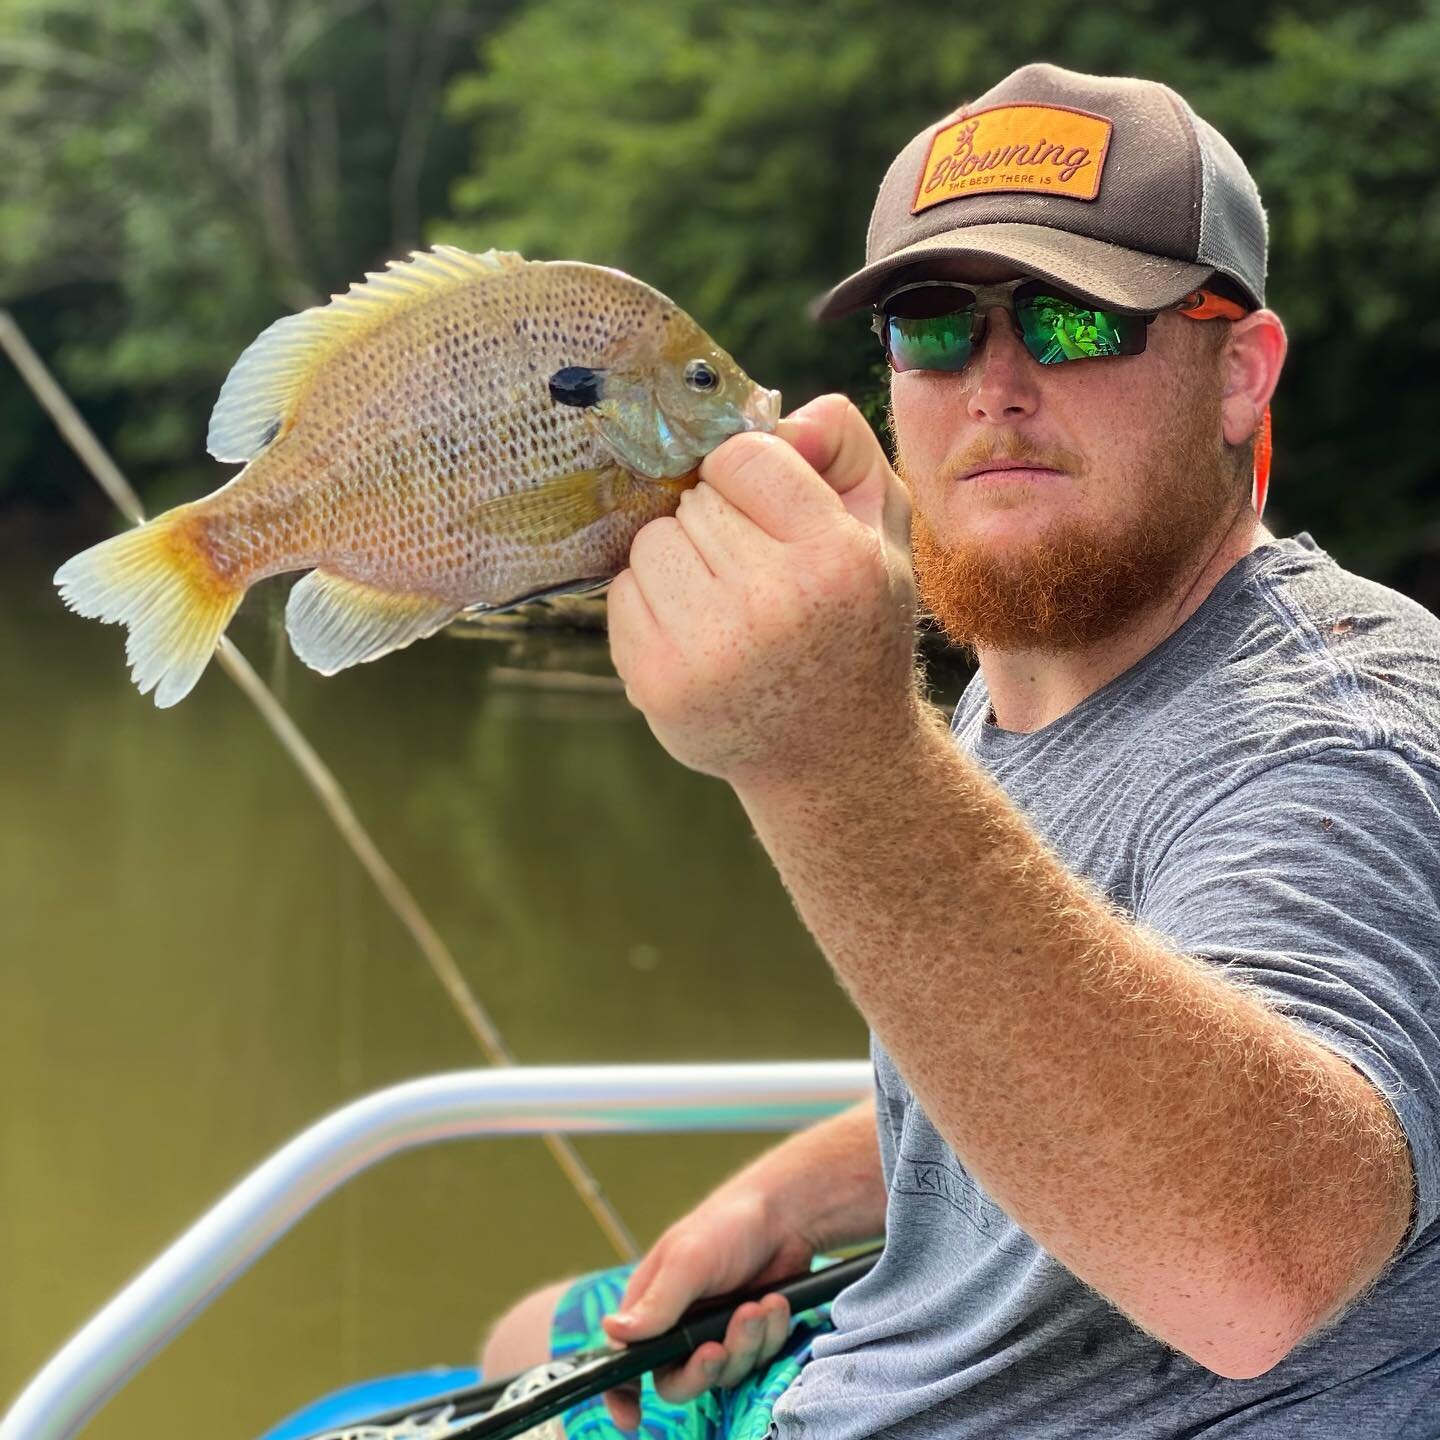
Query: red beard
x=1079, y=584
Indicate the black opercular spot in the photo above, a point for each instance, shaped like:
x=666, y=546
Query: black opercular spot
x=576, y=385
x=271, y=431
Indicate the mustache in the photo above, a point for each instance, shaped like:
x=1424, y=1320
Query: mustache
x=1015, y=447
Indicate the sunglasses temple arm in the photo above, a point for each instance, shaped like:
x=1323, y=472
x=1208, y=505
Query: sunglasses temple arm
x=1263, y=450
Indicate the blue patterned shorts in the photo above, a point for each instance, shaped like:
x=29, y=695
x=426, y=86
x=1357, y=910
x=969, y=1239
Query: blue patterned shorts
x=742, y=1413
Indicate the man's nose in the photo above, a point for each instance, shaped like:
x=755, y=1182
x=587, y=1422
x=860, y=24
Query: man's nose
x=1003, y=380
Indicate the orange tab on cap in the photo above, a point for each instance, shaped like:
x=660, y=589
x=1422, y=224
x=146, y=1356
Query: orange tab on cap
x=1050, y=149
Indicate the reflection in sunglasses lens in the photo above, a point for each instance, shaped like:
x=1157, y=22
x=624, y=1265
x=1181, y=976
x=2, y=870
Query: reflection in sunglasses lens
x=933, y=327
x=939, y=342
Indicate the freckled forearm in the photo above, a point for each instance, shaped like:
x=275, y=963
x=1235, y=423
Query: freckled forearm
x=1182, y=1149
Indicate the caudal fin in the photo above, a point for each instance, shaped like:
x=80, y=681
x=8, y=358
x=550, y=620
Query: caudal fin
x=156, y=581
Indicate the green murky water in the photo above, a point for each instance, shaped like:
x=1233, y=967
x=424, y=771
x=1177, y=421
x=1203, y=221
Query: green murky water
x=193, y=967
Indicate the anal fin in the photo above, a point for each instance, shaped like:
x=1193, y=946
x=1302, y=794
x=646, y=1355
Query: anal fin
x=335, y=622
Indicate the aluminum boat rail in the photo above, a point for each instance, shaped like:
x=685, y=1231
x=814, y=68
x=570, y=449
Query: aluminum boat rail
x=219, y=1247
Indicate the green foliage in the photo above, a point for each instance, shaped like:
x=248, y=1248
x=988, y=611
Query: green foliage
x=177, y=173
x=730, y=155
x=727, y=154
x=1342, y=130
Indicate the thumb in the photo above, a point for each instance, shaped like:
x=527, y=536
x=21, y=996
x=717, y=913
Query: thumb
x=653, y=1302
x=835, y=439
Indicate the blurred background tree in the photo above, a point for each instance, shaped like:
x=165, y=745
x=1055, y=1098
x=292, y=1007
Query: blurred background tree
x=174, y=174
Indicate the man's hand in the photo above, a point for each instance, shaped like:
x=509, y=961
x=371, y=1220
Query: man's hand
x=766, y=629
x=818, y=1189
x=732, y=1241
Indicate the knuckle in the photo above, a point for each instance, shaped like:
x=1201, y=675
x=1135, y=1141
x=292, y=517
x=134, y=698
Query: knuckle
x=687, y=1249
x=699, y=505
x=739, y=456
x=852, y=562
x=653, y=538
x=846, y=413
x=828, y=408
x=771, y=613
x=699, y=496
x=621, y=588
x=684, y=1383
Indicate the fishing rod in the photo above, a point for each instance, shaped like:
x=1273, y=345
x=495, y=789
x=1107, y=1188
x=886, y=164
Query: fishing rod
x=470, y=1412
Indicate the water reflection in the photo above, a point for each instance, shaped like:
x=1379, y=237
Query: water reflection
x=194, y=968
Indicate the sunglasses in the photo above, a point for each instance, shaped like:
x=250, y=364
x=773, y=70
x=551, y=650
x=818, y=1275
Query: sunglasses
x=937, y=324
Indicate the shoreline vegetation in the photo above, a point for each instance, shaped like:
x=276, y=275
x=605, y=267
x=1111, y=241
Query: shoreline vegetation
x=176, y=178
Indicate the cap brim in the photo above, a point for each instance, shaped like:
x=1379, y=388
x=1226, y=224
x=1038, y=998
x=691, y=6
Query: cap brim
x=1093, y=269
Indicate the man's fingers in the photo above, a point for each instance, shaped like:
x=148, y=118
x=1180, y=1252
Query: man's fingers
x=634, y=632
x=833, y=437
x=624, y=1406
x=727, y=540
x=827, y=439
x=770, y=482
x=668, y=569
x=777, y=1325
x=699, y=1373
x=656, y=1303
x=744, y=1340
x=665, y=560
x=755, y=1334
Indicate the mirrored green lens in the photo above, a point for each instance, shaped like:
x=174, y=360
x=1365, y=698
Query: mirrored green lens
x=931, y=342
x=1055, y=330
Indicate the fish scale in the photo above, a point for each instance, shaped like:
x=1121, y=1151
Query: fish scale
x=405, y=445
x=450, y=553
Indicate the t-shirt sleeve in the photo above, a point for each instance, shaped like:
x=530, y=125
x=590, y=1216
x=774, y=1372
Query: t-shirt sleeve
x=1318, y=882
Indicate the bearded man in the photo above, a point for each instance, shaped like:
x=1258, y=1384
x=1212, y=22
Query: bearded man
x=1147, y=940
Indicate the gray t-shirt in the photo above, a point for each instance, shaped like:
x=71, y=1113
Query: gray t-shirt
x=1263, y=789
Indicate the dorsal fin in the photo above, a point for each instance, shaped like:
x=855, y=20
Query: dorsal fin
x=262, y=388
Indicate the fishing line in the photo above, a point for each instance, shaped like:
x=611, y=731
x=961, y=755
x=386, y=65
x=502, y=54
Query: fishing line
x=321, y=779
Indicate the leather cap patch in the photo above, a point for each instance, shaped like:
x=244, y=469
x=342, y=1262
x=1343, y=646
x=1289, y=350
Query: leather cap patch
x=1050, y=149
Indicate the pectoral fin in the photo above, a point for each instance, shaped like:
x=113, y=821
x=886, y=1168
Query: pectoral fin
x=335, y=622
x=556, y=509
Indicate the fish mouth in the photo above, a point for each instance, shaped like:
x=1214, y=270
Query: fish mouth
x=762, y=410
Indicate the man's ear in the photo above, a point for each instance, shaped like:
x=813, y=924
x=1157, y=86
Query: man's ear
x=1252, y=358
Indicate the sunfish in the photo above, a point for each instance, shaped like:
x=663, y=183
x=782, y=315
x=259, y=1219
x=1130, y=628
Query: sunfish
x=456, y=433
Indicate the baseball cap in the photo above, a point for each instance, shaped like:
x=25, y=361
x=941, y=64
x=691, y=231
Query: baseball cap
x=1110, y=186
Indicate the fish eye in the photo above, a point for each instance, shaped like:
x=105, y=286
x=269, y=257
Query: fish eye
x=701, y=376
